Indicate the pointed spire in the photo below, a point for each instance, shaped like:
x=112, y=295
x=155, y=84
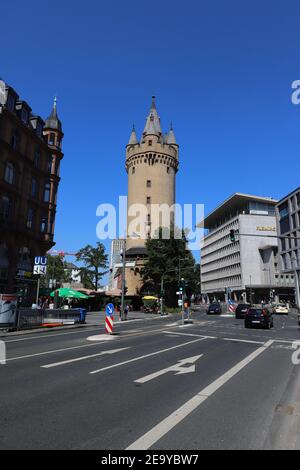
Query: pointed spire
x=153, y=105
x=52, y=122
x=133, y=138
x=153, y=122
x=171, y=139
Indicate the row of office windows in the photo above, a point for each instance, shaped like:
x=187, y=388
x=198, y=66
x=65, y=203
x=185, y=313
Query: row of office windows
x=232, y=281
x=222, y=272
x=228, y=260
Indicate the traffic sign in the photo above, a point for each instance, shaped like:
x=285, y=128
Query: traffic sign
x=37, y=269
x=109, y=310
x=40, y=261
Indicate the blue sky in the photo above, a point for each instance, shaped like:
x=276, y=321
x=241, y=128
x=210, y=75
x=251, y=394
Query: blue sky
x=221, y=71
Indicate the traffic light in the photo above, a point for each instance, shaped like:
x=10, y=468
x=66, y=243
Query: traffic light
x=182, y=285
x=232, y=235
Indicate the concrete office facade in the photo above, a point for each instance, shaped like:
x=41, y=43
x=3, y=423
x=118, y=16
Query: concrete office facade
x=288, y=226
x=249, y=266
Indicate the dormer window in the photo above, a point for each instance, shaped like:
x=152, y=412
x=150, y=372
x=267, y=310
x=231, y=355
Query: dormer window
x=39, y=129
x=10, y=103
x=24, y=116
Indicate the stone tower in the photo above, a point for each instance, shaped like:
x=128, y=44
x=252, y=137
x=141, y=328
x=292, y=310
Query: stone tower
x=151, y=165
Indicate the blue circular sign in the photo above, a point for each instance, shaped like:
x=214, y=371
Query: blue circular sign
x=109, y=310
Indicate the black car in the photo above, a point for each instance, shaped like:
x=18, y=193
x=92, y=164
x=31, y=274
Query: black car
x=214, y=309
x=241, y=310
x=259, y=317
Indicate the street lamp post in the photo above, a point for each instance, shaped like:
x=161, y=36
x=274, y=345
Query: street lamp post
x=123, y=279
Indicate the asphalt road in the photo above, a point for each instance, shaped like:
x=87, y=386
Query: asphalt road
x=156, y=384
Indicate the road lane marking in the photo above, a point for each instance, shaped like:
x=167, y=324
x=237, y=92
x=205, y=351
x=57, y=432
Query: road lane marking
x=147, y=355
x=53, y=351
x=242, y=340
x=162, y=428
x=178, y=368
x=188, y=334
x=82, y=358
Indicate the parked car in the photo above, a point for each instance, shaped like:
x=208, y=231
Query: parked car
x=214, y=309
x=241, y=310
x=281, y=309
x=259, y=317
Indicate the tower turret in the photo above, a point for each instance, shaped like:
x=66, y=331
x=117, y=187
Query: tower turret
x=54, y=135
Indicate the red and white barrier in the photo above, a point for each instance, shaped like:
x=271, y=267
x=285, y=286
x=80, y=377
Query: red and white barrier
x=109, y=324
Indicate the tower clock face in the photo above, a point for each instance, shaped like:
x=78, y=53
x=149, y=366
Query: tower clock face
x=2, y=92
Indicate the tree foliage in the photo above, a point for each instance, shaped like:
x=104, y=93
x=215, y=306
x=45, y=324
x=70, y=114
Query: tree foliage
x=170, y=259
x=95, y=264
x=57, y=272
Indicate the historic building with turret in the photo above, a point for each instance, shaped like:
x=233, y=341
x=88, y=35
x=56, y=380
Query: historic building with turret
x=30, y=156
x=151, y=166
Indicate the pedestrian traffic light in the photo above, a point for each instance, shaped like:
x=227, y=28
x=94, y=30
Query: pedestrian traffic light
x=232, y=235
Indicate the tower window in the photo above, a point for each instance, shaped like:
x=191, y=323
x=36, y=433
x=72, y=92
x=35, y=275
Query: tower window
x=148, y=200
x=149, y=143
x=148, y=183
x=168, y=169
x=133, y=170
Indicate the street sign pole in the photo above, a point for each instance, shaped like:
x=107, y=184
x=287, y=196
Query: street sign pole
x=38, y=290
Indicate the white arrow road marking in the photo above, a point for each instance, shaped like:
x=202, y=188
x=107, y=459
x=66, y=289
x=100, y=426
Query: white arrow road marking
x=69, y=361
x=162, y=428
x=147, y=355
x=178, y=368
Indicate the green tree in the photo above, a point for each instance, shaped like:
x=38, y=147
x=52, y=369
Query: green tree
x=56, y=272
x=95, y=263
x=170, y=259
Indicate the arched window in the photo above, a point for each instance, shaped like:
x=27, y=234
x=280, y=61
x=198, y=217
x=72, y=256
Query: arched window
x=47, y=192
x=9, y=173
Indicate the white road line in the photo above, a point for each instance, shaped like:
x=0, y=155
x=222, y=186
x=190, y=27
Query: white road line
x=156, y=433
x=54, y=351
x=147, y=355
x=82, y=358
x=189, y=334
x=242, y=340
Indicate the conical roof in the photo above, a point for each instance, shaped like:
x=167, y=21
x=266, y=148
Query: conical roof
x=53, y=122
x=153, y=122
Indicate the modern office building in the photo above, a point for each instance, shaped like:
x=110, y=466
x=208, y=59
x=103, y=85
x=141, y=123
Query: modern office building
x=288, y=226
x=247, y=267
x=30, y=156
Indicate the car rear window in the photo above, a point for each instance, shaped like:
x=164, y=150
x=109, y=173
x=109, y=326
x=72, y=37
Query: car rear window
x=255, y=311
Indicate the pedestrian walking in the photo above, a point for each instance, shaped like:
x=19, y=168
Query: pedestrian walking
x=126, y=310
